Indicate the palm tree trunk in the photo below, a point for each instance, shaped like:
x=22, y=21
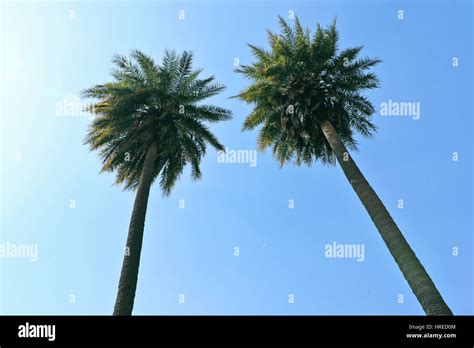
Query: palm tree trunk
x=413, y=271
x=131, y=260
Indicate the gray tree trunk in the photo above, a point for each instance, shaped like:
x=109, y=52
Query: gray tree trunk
x=413, y=271
x=131, y=260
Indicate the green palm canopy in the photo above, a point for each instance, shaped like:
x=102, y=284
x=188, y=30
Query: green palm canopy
x=308, y=99
x=147, y=103
x=302, y=81
x=150, y=123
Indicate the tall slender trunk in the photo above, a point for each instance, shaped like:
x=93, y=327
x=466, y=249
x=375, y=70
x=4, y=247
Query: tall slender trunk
x=131, y=259
x=413, y=271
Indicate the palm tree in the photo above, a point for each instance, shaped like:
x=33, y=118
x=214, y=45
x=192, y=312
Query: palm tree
x=308, y=97
x=150, y=124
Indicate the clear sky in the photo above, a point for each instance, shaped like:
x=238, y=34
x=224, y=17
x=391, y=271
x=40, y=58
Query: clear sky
x=53, y=197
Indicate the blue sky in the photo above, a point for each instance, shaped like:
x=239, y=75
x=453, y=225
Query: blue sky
x=51, y=50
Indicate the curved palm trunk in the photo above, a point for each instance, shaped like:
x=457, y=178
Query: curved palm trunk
x=131, y=260
x=413, y=271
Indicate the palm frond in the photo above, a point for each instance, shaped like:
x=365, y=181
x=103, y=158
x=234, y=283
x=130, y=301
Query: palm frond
x=318, y=82
x=142, y=106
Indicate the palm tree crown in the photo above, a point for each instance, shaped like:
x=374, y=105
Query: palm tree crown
x=303, y=81
x=148, y=104
x=308, y=96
